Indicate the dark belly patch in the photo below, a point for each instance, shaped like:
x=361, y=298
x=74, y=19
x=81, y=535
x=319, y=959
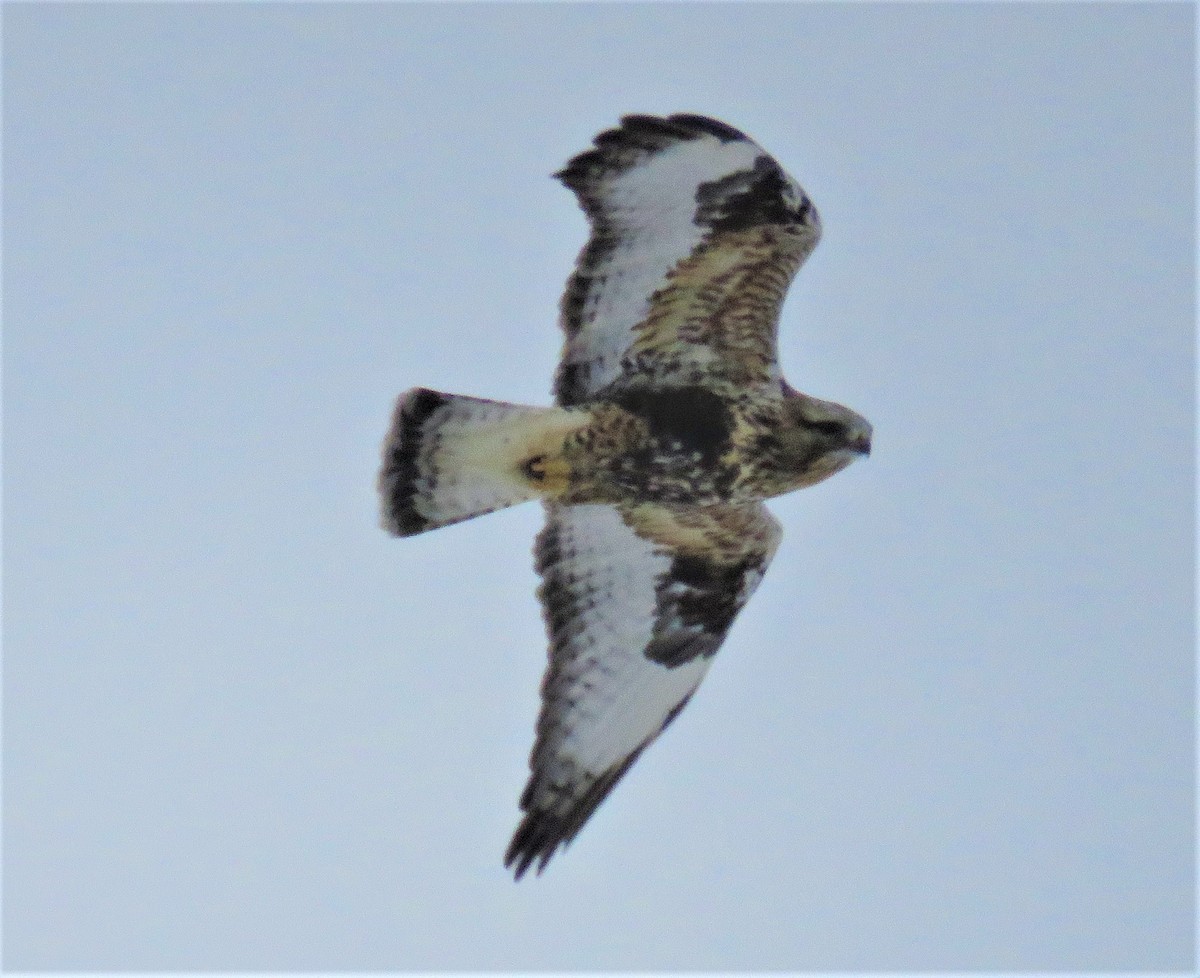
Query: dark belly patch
x=685, y=420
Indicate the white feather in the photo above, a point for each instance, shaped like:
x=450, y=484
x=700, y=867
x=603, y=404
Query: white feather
x=653, y=207
x=629, y=697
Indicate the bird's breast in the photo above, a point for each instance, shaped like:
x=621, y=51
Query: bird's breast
x=685, y=445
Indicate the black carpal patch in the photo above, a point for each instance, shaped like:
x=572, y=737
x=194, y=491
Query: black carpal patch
x=694, y=418
x=697, y=603
x=747, y=199
x=400, y=472
x=678, y=648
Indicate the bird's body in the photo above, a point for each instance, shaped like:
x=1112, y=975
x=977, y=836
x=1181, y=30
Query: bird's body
x=690, y=446
x=672, y=424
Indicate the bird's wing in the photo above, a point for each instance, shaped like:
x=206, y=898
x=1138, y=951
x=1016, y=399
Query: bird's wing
x=637, y=599
x=696, y=233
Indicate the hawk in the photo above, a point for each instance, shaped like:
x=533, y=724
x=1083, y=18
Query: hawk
x=672, y=424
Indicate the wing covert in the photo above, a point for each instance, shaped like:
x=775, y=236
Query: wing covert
x=696, y=233
x=637, y=600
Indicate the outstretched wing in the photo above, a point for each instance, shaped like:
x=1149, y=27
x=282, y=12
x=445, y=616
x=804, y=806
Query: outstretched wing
x=637, y=599
x=696, y=235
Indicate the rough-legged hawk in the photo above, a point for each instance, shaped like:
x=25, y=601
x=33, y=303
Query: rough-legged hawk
x=672, y=425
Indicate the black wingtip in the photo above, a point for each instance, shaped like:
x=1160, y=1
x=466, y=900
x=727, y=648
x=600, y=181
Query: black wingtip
x=703, y=124
x=641, y=133
x=545, y=830
x=537, y=838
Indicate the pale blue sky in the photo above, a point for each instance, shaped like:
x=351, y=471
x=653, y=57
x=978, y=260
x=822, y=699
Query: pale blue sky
x=245, y=729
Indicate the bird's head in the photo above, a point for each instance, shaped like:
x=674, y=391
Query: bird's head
x=820, y=437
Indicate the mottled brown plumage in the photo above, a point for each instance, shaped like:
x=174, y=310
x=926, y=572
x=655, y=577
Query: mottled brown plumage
x=673, y=423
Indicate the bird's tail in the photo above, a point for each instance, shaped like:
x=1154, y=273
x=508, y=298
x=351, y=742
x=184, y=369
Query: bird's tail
x=449, y=457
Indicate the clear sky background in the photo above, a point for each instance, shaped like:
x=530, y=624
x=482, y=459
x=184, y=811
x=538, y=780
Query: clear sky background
x=246, y=729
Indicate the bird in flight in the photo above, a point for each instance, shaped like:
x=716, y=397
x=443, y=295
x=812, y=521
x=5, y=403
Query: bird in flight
x=672, y=424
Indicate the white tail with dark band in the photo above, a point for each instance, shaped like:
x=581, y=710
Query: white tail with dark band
x=449, y=457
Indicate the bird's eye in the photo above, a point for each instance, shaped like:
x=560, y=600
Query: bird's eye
x=833, y=429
